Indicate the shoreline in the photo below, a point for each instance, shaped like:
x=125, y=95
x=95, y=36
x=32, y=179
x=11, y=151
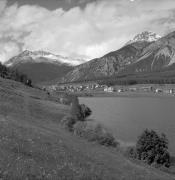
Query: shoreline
x=124, y=95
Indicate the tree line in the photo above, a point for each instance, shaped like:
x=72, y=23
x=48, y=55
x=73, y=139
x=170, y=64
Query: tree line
x=128, y=81
x=132, y=79
x=13, y=74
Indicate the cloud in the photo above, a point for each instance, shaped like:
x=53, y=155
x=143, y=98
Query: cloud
x=7, y=50
x=100, y=27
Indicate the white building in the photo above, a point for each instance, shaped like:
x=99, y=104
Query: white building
x=109, y=89
x=158, y=90
x=120, y=90
x=171, y=91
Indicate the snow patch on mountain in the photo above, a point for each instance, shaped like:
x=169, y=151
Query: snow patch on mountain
x=42, y=56
x=145, y=36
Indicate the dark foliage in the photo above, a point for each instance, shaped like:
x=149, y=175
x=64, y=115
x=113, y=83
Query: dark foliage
x=153, y=149
x=136, y=80
x=79, y=111
x=75, y=109
x=95, y=133
x=84, y=111
x=162, y=77
x=76, y=123
x=8, y=73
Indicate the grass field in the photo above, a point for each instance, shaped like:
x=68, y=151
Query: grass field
x=34, y=146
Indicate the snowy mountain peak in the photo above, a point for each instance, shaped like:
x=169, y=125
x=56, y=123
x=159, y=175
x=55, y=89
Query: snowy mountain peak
x=36, y=53
x=42, y=56
x=145, y=36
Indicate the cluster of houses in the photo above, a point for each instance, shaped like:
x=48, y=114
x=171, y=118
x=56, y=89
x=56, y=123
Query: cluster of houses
x=108, y=89
x=140, y=89
x=74, y=87
x=131, y=89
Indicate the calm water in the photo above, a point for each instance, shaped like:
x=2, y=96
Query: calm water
x=128, y=117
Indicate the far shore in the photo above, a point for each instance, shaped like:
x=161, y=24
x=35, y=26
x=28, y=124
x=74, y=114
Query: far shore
x=124, y=94
x=129, y=91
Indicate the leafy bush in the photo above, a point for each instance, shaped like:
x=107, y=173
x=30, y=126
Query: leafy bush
x=91, y=131
x=153, y=148
x=84, y=111
x=94, y=132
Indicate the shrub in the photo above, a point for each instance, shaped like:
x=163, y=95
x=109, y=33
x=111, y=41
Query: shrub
x=153, y=148
x=84, y=111
x=68, y=122
x=94, y=132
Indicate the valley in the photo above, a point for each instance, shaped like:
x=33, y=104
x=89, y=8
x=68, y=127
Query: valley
x=128, y=90
x=34, y=146
x=148, y=58
x=87, y=90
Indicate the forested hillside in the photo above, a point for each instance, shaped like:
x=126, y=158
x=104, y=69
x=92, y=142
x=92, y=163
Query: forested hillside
x=8, y=73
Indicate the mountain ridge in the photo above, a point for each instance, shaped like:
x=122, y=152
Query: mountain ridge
x=141, y=56
x=40, y=66
x=147, y=36
x=108, y=65
x=38, y=56
x=136, y=57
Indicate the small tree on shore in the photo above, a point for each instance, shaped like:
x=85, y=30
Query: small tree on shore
x=153, y=149
x=79, y=111
x=75, y=109
x=85, y=111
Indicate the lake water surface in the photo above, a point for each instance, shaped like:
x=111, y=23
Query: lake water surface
x=127, y=117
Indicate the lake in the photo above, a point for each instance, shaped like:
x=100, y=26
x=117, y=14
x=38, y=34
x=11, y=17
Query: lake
x=127, y=117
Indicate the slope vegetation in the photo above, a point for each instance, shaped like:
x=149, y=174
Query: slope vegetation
x=34, y=146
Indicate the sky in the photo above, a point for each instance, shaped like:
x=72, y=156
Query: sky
x=84, y=29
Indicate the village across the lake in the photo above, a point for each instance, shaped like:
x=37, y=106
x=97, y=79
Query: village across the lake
x=93, y=89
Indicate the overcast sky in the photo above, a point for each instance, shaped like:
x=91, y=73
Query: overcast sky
x=79, y=28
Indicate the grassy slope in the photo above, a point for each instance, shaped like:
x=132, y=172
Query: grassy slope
x=33, y=145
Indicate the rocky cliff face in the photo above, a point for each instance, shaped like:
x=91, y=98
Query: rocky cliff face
x=147, y=36
x=147, y=52
x=135, y=57
x=108, y=65
x=158, y=56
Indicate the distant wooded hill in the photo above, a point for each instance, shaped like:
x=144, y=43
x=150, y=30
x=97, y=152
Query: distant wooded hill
x=8, y=73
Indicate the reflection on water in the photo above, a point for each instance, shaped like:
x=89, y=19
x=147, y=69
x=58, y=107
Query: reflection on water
x=128, y=117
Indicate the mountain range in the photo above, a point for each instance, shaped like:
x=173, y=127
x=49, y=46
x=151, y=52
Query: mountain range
x=42, y=66
x=145, y=53
x=138, y=56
